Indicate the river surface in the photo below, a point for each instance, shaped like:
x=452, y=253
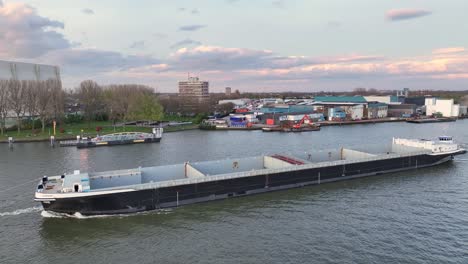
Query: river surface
x=418, y=216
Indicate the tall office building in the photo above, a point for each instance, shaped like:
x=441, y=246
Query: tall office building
x=193, y=88
x=228, y=91
x=194, y=95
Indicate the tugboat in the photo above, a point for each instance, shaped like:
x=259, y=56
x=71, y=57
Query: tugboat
x=122, y=138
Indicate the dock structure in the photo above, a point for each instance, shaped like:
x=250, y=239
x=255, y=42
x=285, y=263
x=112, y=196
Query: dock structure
x=68, y=143
x=123, y=138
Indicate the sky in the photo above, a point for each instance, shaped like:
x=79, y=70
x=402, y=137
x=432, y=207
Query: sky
x=250, y=45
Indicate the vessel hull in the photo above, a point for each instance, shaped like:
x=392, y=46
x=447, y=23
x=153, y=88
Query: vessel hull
x=151, y=199
x=91, y=144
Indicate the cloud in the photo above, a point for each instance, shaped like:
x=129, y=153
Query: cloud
x=215, y=58
x=191, y=27
x=185, y=42
x=448, y=50
x=264, y=69
x=80, y=61
x=160, y=35
x=87, y=11
x=278, y=4
x=404, y=14
x=334, y=24
x=24, y=33
x=138, y=44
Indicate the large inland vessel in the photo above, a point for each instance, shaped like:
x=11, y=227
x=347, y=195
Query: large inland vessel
x=149, y=188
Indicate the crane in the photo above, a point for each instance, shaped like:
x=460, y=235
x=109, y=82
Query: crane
x=302, y=121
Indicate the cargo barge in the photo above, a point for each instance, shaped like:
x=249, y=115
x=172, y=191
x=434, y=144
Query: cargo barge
x=291, y=129
x=150, y=188
x=123, y=138
x=431, y=120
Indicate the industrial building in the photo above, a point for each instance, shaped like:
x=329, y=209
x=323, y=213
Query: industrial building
x=12, y=70
x=386, y=99
x=401, y=110
x=236, y=102
x=444, y=107
x=28, y=71
x=340, y=99
x=376, y=110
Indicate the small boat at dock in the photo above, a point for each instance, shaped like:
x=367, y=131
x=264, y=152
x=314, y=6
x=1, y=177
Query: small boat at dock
x=122, y=138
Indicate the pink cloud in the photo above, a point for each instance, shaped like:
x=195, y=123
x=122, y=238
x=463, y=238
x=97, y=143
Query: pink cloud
x=448, y=50
x=405, y=14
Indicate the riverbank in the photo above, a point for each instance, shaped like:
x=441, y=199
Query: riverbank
x=70, y=131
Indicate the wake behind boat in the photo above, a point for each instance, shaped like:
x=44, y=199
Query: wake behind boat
x=149, y=188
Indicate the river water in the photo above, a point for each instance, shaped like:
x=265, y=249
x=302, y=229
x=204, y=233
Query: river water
x=417, y=216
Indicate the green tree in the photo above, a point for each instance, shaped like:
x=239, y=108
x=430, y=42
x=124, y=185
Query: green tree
x=145, y=106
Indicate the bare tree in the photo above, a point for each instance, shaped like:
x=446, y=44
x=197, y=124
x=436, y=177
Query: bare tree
x=57, y=99
x=16, y=91
x=90, y=94
x=44, y=91
x=4, y=106
x=31, y=100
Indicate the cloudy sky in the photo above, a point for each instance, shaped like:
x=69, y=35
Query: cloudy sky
x=250, y=45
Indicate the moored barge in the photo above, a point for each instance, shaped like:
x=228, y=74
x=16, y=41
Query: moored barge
x=149, y=188
x=122, y=138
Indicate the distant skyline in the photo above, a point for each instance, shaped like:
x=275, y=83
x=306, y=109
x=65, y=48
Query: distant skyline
x=256, y=46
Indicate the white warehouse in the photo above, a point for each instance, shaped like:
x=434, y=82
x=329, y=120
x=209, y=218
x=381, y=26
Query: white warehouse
x=11, y=70
x=28, y=71
x=446, y=107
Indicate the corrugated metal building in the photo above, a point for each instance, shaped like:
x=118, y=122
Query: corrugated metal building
x=401, y=110
x=24, y=72
x=340, y=99
x=28, y=71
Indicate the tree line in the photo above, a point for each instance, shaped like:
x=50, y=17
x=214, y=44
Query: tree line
x=43, y=100
x=122, y=102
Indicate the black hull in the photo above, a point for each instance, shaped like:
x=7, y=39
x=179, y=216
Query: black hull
x=151, y=199
x=116, y=142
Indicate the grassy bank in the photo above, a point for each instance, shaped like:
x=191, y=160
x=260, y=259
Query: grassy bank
x=70, y=131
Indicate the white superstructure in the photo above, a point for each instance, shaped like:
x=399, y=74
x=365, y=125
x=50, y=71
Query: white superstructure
x=443, y=145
